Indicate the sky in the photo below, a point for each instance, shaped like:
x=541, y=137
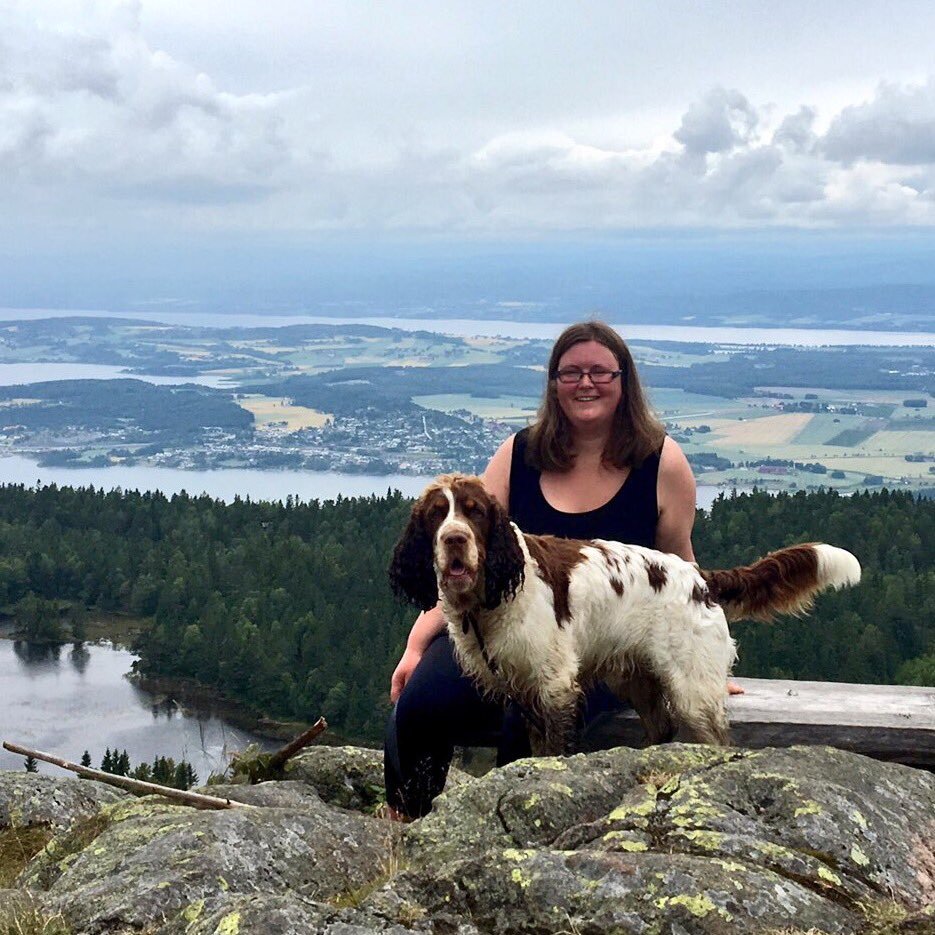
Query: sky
x=148, y=133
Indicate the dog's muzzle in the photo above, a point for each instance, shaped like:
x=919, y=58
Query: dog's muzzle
x=457, y=565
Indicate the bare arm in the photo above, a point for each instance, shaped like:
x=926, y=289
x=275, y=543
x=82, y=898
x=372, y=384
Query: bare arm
x=427, y=626
x=675, y=492
x=431, y=622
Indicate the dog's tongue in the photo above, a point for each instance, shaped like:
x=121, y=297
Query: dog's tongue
x=457, y=569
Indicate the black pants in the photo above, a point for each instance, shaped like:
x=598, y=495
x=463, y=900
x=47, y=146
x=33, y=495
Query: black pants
x=440, y=708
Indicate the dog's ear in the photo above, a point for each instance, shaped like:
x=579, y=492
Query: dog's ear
x=412, y=570
x=504, y=563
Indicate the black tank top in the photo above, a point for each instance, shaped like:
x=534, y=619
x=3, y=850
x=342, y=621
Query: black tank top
x=629, y=516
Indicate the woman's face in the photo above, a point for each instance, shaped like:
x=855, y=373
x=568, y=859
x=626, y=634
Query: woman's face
x=589, y=405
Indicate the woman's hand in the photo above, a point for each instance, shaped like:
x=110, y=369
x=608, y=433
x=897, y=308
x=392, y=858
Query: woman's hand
x=403, y=672
x=427, y=626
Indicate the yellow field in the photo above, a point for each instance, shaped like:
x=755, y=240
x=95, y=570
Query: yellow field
x=900, y=443
x=888, y=467
x=267, y=409
x=770, y=430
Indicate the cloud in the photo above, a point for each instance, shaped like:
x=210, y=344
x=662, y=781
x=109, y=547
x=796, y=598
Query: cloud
x=100, y=125
x=720, y=121
x=108, y=110
x=897, y=127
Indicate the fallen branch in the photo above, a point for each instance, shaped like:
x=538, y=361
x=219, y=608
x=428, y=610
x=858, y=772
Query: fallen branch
x=278, y=759
x=259, y=767
x=137, y=786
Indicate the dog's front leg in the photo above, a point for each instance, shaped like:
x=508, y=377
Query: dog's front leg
x=555, y=734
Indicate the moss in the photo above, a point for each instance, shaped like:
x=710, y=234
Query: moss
x=223, y=884
x=859, y=819
x=859, y=857
x=699, y=906
x=808, y=808
x=547, y=762
x=532, y=801
x=511, y=853
x=229, y=925
x=622, y=841
x=706, y=840
x=829, y=875
x=561, y=787
x=17, y=847
x=193, y=912
x=517, y=876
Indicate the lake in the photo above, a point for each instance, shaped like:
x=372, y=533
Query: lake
x=71, y=698
x=799, y=337
x=227, y=483
x=24, y=374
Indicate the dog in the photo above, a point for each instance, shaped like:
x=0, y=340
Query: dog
x=537, y=619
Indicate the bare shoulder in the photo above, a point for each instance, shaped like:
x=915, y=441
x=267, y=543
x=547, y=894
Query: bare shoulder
x=675, y=472
x=496, y=476
x=675, y=494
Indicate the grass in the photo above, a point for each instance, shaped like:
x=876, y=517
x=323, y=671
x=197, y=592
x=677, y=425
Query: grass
x=29, y=919
x=17, y=847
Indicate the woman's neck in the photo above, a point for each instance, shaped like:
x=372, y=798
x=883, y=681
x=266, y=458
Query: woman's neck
x=589, y=446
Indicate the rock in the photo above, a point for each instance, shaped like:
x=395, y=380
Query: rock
x=673, y=840
x=348, y=777
x=153, y=861
x=706, y=839
x=31, y=799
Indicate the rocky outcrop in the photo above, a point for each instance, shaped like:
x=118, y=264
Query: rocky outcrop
x=674, y=839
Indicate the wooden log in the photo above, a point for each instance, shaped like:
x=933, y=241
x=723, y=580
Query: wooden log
x=887, y=722
x=279, y=758
x=136, y=786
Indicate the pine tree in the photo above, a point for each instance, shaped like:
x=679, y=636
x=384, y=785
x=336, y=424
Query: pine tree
x=31, y=765
x=107, y=764
x=86, y=759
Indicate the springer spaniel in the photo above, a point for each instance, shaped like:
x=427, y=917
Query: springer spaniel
x=537, y=618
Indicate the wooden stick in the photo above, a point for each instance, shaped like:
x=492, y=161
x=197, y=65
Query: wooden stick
x=137, y=786
x=278, y=759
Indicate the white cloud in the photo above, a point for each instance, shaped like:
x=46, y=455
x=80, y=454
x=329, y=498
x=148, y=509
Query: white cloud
x=897, y=126
x=101, y=123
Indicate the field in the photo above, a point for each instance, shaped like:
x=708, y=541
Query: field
x=271, y=413
x=515, y=410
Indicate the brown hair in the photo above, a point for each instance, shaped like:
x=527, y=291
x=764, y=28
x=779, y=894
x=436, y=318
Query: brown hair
x=635, y=434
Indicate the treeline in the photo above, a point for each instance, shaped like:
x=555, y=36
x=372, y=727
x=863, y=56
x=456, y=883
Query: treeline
x=286, y=608
x=282, y=606
x=880, y=632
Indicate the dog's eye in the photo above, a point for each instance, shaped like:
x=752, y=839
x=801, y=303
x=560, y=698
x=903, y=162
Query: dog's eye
x=474, y=509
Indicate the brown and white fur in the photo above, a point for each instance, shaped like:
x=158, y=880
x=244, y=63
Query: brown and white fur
x=537, y=618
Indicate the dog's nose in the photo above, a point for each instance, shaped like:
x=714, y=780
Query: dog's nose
x=454, y=538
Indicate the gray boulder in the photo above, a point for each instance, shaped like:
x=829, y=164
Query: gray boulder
x=674, y=840
x=29, y=800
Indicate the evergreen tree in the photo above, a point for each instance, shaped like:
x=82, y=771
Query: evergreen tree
x=31, y=765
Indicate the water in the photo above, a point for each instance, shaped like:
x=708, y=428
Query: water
x=227, y=483
x=24, y=374
x=71, y=698
x=222, y=483
x=798, y=337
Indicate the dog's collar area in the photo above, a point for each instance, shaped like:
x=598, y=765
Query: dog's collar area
x=469, y=621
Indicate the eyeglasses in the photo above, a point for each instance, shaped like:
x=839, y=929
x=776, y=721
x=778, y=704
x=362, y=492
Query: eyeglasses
x=576, y=375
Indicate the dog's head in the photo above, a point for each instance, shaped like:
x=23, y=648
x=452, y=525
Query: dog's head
x=459, y=541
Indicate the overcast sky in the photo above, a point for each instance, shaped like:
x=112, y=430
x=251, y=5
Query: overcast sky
x=472, y=119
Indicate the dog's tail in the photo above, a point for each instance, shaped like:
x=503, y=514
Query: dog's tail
x=785, y=582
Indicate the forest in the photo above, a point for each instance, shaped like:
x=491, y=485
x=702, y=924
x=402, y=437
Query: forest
x=285, y=606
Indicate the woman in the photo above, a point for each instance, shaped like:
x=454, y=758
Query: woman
x=597, y=464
